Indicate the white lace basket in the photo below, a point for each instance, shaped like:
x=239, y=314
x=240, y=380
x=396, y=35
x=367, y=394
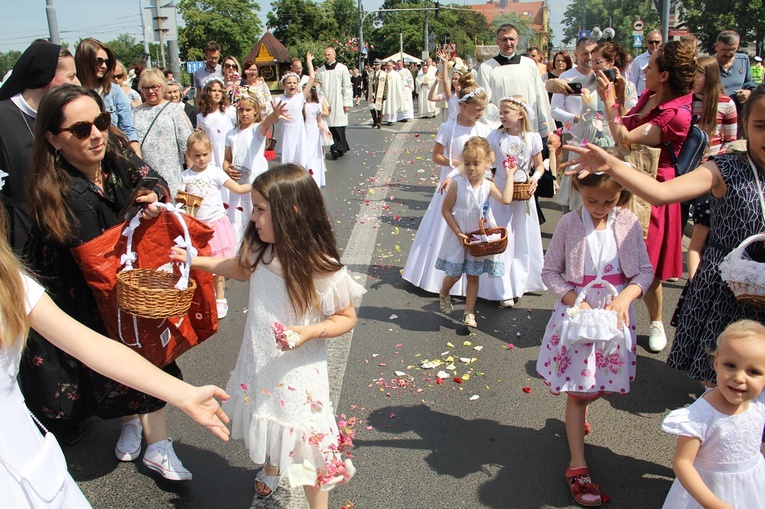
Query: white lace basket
x=584, y=326
x=745, y=277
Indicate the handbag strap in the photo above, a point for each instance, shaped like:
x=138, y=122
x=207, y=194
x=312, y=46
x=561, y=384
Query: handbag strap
x=153, y=121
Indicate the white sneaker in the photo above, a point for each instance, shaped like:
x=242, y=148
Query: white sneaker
x=657, y=338
x=222, y=306
x=128, y=446
x=161, y=458
x=507, y=303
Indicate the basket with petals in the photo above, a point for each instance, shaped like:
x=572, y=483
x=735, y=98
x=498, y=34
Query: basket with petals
x=487, y=248
x=745, y=277
x=152, y=293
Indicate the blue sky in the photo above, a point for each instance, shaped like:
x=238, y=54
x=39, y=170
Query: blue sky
x=23, y=21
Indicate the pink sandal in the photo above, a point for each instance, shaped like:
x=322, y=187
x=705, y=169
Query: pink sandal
x=584, y=491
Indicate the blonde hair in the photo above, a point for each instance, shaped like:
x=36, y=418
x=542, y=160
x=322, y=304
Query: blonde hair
x=247, y=98
x=518, y=103
x=198, y=137
x=13, y=313
x=470, y=92
x=743, y=329
x=475, y=145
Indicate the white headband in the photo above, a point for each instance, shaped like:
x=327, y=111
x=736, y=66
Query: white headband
x=472, y=94
x=529, y=112
x=289, y=75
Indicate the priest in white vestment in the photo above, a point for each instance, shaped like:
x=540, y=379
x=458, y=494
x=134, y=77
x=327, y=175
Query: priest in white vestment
x=394, y=94
x=426, y=79
x=407, y=106
x=510, y=74
x=336, y=83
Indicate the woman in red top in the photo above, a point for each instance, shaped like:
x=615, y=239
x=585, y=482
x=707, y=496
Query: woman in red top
x=662, y=115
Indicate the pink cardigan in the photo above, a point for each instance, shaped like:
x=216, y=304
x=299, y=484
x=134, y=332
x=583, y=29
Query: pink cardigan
x=564, y=260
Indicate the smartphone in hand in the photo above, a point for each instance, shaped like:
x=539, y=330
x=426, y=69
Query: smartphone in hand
x=610, y=74
x=576, y=87
x=144, y=187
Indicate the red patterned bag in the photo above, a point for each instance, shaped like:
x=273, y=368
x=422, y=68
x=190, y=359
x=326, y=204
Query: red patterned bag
x=161, y=341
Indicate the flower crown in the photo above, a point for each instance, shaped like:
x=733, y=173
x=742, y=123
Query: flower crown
x=529, y=112
x=289, y=75
x=212, y=78
x=472, y=94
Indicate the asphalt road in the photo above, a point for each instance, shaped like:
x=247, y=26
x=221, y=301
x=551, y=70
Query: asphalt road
x=418, y=444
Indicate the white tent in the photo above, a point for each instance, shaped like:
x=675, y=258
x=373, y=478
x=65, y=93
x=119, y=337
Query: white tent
x=407, y=58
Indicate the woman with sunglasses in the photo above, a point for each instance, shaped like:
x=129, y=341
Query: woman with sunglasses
x=80, y=179
x=95, y=63
x=162, y=128
x=122, y=79
x=232, y=74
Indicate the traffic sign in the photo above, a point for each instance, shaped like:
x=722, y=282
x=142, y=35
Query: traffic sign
x=192, y=66
x=638, y=43
x=638, y=25
x=582, y=34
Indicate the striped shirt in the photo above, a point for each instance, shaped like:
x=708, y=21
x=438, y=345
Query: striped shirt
x=727, y=125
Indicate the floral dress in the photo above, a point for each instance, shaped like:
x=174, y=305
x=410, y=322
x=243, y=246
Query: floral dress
x=280, y=399
x=590, y=368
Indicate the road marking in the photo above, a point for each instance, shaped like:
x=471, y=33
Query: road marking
x=358, y=253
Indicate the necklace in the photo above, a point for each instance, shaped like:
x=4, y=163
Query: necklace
x=98, y=179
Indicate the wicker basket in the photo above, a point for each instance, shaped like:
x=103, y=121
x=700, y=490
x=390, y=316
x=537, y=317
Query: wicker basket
x=746, y=278
x=492, y=247
x=150, y=293
x=192, y=202
x=521, y=191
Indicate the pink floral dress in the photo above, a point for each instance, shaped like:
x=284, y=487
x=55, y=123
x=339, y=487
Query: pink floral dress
x=588, y=369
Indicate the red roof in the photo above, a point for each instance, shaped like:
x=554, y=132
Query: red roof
x=531, y=10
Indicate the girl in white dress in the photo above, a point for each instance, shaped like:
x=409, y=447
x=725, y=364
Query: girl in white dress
x=718, y=462
x=523, y=257
x=245, y=154
x=300, y=296
x=316, y=107
x=598, y=242
x=463, y=207
x=31, y=462
x=420, y=267
x=449, y=90
x=293, y=136
x=208, y=181
x=216, y=119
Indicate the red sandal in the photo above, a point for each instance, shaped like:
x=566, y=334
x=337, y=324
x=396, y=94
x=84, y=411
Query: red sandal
x=584, y=491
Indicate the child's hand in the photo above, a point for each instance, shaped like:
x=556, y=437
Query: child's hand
x=200, y=404
x=177, y=254
x=463, y=238
x=533, y=183
x=583, y=305
x=443, y=186
x=280, y=110
x=621, y=306
x=233, y=173
x=442, y=56
x=308, y=56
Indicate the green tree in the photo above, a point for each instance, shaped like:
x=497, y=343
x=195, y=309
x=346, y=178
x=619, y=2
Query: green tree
x=615, y=13
x=706, y=19
x=234, y=24
x=7, y=61
x=526, y=32
x=297, y=21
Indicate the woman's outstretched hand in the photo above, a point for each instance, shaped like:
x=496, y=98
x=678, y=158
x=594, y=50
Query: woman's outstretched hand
x=592, y=159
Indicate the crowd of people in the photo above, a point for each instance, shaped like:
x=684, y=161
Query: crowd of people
x=76, y=139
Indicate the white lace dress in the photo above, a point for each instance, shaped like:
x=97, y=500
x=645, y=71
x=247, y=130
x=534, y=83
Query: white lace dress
x=21, y=442
x=280, y=399
x=293, y=131
x=729, y=460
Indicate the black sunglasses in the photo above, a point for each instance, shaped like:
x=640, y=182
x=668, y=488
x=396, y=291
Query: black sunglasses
x=101, y=61
x=81, y=130
x=654, y=42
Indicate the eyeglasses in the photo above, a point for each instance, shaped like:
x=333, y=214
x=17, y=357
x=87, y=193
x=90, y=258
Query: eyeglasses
x=81, y=130
x=152, y=88
x=119, y=76
x=654, y=42
x=229, y=66
x=103, y=61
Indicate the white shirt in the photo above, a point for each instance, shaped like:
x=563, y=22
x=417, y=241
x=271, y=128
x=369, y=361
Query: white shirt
x=637, y=74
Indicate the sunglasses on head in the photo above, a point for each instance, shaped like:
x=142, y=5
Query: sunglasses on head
x=102, y=61
x=81, y=130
